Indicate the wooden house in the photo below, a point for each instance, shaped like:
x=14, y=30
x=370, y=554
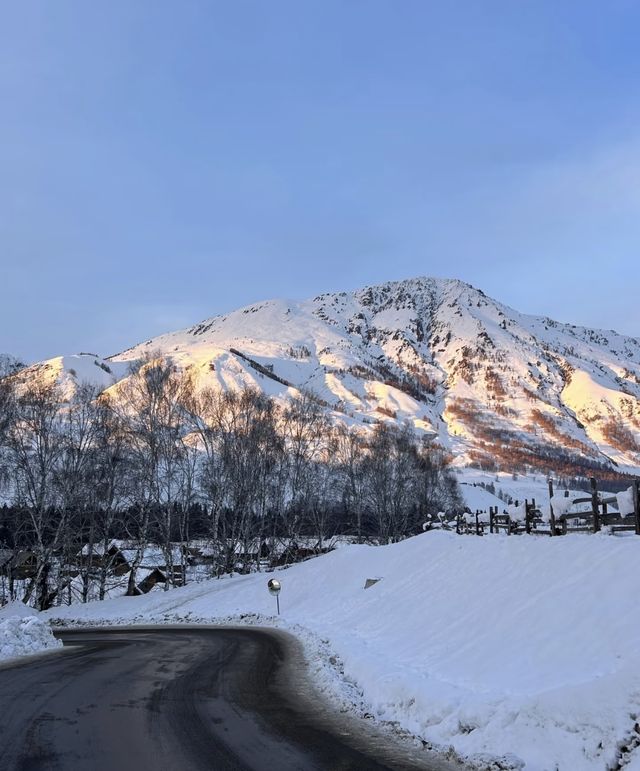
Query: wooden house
x=22, y=565
x=146, y=580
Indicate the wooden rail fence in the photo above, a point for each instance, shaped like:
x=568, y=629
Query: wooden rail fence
x=592, y=520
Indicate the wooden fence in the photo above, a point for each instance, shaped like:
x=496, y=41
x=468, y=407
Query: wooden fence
x=571, y=520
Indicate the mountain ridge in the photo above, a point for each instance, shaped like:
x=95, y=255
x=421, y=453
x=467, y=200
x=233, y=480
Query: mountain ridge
x=488, y=383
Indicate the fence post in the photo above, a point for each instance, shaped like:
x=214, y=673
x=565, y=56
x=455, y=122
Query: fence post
x=491, y=515
x=552, y=518
x=636, y=504
x=527, y=521
x=594, y=505
x=533, y=512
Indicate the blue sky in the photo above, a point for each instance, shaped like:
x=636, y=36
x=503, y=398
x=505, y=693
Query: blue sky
x=161, y=162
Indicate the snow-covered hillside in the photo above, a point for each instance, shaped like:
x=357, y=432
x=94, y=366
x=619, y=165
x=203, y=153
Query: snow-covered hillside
x=9, y=364
x=467, y=370
x=528, y=647
x=71, y=371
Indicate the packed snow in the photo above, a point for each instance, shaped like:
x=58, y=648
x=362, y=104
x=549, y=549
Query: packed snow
x=23, y=632
x=626, y=503
x=525, y=649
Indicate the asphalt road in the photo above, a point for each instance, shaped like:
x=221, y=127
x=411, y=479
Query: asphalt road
x=181, y=700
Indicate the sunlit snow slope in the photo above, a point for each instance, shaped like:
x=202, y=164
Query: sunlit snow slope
x=484, y=380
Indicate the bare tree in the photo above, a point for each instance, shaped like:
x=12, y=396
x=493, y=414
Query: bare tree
x=390, y=466
x=348, y=453
x=204, y=414
x=35, y=448
x=134, y=462
x=149, y=404
x=248, y=441
x=7, y=418
x=306, y=430
x=73, y=481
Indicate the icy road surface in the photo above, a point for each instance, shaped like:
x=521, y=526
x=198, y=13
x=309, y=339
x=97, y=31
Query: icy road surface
x=226, y=698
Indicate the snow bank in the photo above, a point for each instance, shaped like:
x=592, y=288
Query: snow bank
x=17, y=608
x=496, y=645
x=22, y=635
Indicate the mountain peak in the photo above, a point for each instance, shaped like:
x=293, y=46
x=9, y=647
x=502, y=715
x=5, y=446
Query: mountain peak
x=489, y=384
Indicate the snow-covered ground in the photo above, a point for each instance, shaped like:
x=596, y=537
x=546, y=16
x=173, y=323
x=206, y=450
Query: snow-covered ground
x=22, y=632
x=517, y=487
x=482, y=489
x=496, y=646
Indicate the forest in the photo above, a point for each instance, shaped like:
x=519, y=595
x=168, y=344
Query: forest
x=157, y=459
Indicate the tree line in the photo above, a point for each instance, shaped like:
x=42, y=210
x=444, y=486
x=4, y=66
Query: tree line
x=158, y=459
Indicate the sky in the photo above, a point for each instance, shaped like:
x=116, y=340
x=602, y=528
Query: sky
x=162, y=162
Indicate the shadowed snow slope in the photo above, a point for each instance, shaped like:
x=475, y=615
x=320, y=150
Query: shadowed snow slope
x=493, y=645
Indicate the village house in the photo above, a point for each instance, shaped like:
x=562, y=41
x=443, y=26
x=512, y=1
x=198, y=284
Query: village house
x=149, y=562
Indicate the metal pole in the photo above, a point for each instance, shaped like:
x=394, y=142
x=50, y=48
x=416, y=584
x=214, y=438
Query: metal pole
x=278, y=602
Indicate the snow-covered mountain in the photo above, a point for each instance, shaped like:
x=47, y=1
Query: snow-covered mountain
x=9, y=364
x=483, y=380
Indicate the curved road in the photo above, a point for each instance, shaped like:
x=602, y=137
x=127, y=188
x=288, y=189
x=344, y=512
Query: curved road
x=180, y=700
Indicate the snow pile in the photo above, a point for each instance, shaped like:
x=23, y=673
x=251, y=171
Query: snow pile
x=518, y=513
x=625, y=502
x=22, y=632
x=17, y=608
x=495, y=646
x=561, y=505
